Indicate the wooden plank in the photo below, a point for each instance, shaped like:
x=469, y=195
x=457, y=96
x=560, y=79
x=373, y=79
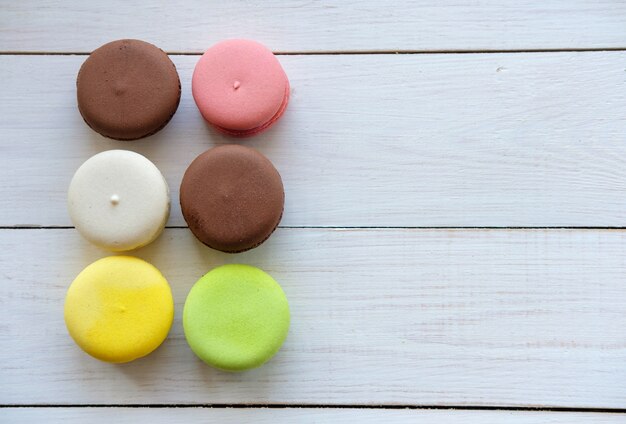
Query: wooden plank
x=368, y=140
x=293, y=415
x=409, y=317
x=349, y=25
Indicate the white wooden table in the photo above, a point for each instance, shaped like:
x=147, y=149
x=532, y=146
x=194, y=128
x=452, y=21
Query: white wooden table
x=453, y=243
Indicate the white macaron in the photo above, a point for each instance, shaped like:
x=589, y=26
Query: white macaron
x=119, y=200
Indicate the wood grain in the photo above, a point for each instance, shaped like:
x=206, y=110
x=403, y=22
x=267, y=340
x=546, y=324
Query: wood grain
x=524, y=318
x=494, y=140
x=410, y=317
x=305, y=26
x=295, y=415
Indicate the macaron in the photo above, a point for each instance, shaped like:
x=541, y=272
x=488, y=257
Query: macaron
x=232, y=198
x=119, y=200
x=127, y=89
x=240, y=87
x=236, y=317
x=119, y=308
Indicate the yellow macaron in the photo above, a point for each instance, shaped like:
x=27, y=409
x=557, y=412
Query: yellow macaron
x=119, y=308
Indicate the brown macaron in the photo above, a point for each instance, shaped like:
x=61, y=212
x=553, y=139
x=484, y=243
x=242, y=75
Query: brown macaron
x=232, y=198
x=127, y=89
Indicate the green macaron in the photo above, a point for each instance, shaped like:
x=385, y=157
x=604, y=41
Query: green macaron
x=236, y=317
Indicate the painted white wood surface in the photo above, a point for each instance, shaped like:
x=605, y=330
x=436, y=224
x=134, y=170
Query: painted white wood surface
x=303, y=26
x=412, y=317
x=409, y=317
x=368, y=140
x=295, y=415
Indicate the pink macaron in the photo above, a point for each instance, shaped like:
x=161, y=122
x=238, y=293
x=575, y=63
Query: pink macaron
x=240, y=87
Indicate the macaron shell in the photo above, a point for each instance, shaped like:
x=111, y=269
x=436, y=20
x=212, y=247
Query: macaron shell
x=232, y=198
x=236, y=317
x=127, y=89
x=119, y=308
x=261, y=128
x=239, y=85
x=119, y=200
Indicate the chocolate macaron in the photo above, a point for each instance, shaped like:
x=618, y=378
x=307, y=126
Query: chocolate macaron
x=232, y=198
x=127, y=89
